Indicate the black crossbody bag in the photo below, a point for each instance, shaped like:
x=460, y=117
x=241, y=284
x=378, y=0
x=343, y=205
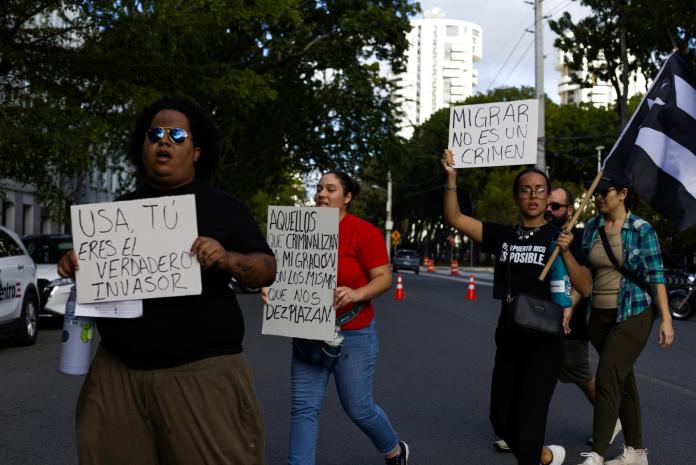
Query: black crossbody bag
x=628, y=274
x=320, y=352
x=534, y=313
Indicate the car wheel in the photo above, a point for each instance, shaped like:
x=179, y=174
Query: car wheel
x=417, y=270
x=27, y=326
x=677, y=307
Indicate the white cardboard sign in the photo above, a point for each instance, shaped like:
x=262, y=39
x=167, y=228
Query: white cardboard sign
x=494, y=134
x=136, y=249
x=305, y=243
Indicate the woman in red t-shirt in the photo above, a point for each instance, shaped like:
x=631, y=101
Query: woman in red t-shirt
x=363, y=274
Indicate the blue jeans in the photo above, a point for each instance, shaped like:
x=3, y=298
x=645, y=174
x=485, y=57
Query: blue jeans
x=353, y=375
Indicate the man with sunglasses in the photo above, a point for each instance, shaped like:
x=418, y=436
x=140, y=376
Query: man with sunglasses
x=173, y=386
x=576, y=366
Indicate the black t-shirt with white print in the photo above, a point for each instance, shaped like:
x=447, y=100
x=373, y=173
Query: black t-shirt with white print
x=527, y=251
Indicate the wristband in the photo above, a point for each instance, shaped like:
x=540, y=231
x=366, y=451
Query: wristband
x=449, y=188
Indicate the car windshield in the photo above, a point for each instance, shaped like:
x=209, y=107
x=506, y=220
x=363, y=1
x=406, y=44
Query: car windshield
x=47, y=251
x=407, y=253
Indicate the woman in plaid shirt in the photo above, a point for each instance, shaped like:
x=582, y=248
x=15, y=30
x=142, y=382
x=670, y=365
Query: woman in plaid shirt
x=623, y=307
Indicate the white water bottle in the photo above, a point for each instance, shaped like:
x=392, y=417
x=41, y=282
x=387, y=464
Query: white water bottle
x=76, y=346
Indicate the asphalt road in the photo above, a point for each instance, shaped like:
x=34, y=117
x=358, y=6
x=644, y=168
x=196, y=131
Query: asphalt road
x=432, y=379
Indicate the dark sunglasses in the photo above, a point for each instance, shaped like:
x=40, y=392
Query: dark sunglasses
x=603, y=192
x=557, y=206
x=176, y=135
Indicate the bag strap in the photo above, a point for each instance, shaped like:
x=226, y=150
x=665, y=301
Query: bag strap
x=620, y=268
x=352, y=313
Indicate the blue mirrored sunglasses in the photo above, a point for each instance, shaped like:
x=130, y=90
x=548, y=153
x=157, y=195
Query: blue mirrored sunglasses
x=176, y=135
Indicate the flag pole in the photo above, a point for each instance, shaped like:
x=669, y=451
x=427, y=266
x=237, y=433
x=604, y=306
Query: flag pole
x=573, y=220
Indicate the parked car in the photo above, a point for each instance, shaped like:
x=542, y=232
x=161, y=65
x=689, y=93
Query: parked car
x=46, y=251
x=406, y=259
x=19, y=294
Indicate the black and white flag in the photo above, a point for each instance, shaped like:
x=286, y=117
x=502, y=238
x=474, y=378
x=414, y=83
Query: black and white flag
x=657, y=149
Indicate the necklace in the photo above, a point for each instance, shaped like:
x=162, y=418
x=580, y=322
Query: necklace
x=523, y=234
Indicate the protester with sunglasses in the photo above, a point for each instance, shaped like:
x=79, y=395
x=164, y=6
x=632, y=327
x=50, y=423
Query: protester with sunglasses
x=173, y=386
x=576, y=364
x=625, y=298
x=527, y=363
x=363, y=274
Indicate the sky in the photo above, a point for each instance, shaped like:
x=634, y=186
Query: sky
x=508, y=51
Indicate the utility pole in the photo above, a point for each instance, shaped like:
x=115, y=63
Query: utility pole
x=539, y=81
x=599, y=149
x=389, y=224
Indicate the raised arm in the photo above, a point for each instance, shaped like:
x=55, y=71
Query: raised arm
x=472, y=227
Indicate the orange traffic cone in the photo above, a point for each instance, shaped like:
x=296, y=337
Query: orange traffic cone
x=471, y=293
x=431, y=265
x=399, y=294
x=454, y=268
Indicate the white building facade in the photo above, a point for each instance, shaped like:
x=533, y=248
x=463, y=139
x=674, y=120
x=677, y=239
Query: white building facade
x=601, y=94
x=440, y=66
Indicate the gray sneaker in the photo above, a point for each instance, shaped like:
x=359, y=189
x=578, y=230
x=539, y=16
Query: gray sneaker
x=630, y=456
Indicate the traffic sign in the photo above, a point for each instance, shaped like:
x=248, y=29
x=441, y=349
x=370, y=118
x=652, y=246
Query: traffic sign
x=396, y=236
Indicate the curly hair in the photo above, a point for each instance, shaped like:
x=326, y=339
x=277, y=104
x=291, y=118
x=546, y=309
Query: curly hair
x=204, y=134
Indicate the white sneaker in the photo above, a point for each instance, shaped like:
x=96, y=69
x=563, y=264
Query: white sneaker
x=558, y=453
x=631, y=456
x=592, y=458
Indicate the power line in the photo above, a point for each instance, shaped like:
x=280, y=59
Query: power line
x=519, y=61
x=517, y=44
x=561, y=4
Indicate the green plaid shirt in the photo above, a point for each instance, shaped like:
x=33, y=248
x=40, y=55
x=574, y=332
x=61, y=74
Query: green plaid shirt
x=641, y=254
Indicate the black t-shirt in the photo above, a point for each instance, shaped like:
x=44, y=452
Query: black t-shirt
x=578, y=322
x=177, y=330
x=527, y=255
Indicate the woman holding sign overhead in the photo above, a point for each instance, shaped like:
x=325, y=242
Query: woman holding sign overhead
x=527, y=361
x=173, y=386
x=363, y=274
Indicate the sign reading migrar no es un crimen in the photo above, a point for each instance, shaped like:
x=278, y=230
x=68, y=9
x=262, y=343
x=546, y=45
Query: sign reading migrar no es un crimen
x=494, y=134
x=136, y=249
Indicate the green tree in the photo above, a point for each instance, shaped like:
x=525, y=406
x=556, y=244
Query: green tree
x=293, y=85
x=621, y=37
x=46, y=136
x=573, y=133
